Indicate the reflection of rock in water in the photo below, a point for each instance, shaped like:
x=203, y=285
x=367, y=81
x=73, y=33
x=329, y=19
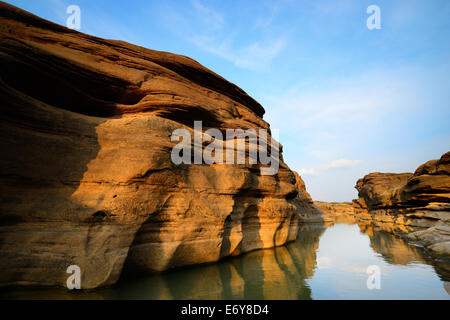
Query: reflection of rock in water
x=387, y=238
x=396, y=250
x=305, y=248
x=447, y=287
x=277, y=273
x=280, y=273
x=442, y=268
x=416, y=203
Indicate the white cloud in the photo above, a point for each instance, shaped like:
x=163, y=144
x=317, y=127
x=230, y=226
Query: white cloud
x=341, y=163
x=354, y=98
x=210, y=17
x=208, y=30
x=253, y=56
x=307, y=172
x=330, y=123
x=324, y=262
x=59, y=8
x=376, y=116
x=335, y=164
x=270, y=14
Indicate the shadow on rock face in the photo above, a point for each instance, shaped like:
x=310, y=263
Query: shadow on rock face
x=51, y=140
x=43, y=229
x=87, y=177
x=275, y=273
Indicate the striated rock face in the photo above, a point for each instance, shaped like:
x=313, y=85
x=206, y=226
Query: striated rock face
x=413, y=202
x=342, y=211
x=87, y=178
x=382, y=190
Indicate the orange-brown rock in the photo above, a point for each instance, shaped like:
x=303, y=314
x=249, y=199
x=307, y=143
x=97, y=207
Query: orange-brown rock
x=381, y=190
x=303, y=195
x=413, y=202
x=86, y=175
x=343, y=212
x=332, y=210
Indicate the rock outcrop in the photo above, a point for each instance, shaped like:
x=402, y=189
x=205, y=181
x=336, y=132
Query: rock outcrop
x=86, y=175
x=343, y=212
x=414, y=203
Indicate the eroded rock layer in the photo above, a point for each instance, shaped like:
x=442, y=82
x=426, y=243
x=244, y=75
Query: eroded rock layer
x=86, y=175
x=343, y=212
x=415, y=203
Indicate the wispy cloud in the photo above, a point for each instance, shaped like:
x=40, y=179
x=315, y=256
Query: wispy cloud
x=340, y=129
x=324, y=262
x=335, y=164
x=210, y=17
x=209, y=31
x=269, y=16
x=341, y=163
x=307, y=172
x=59, y=8
x=360, y=97
x=252, y=56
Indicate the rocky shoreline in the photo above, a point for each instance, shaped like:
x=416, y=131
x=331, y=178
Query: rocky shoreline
x=413, y=205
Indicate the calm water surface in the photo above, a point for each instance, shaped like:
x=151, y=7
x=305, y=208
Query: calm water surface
x=322, y=264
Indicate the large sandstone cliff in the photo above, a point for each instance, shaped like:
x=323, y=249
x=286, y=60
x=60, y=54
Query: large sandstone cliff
x=86, y=175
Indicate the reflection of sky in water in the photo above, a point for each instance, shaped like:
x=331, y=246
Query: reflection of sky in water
x=321, y=264
x=343, y=257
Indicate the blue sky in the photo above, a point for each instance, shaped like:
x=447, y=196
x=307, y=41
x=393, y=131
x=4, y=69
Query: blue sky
x=347, y=100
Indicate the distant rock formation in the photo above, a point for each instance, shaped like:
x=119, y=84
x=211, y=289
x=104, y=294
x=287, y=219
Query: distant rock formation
x=342, y=211
x=86, y=174
x=415, y=205
x=418, y=201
